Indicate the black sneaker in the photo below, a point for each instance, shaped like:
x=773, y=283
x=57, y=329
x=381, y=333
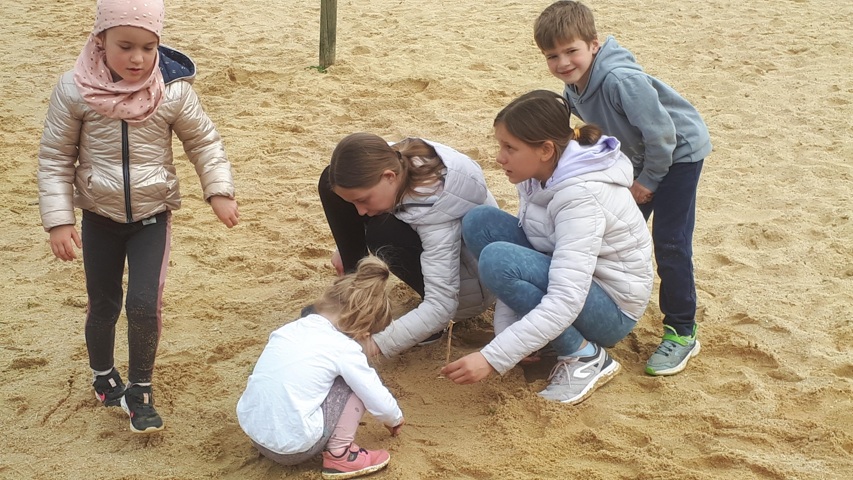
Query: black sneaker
x=109, y=388
x=138, y=402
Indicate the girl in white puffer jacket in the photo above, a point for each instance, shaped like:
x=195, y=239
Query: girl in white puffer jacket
x=574, y=269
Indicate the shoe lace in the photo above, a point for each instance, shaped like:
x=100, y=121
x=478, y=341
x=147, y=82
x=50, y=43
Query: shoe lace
x=666, y=347
x=562, y=371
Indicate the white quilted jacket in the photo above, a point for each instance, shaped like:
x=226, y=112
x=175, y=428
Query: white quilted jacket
x=586, y=218
x=451, y=279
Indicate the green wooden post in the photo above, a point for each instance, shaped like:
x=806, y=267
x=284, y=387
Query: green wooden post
x=328, y=24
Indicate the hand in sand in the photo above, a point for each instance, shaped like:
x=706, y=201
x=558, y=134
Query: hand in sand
x=396, y=429
x=225, y=209
x=63, y=238
x=469, y=369
x=337, y=262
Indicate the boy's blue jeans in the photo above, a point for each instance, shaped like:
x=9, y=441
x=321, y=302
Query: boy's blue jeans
x=674, y=207
x=518, y=275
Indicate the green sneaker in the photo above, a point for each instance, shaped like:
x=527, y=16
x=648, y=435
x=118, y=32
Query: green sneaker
x=673, y=353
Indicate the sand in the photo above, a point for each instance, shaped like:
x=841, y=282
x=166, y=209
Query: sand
x=769, y=397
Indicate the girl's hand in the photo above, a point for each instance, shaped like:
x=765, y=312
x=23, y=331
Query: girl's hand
x=469, y=369
x=337, y=262
x=62, y=241
x=396, y=429
x=370, y=348
x=226, y=209
x=640, y=193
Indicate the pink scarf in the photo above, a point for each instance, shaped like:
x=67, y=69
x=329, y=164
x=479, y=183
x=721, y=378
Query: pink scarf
x=133, y=102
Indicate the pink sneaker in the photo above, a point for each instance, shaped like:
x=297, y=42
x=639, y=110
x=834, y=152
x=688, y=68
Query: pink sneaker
x=355, y=462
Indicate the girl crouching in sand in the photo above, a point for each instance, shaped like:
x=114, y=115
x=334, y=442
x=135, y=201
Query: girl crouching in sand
x=312, y=382
x=404, y=202
x=574, y=269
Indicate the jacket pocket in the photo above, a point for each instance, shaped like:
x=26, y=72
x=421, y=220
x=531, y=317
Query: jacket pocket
x=102, y=189
x=155, y=186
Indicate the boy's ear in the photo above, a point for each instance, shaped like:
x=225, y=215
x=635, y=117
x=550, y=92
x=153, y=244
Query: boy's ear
x=595, y=45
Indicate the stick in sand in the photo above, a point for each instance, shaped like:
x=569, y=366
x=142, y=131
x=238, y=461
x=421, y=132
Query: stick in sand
x=449, y=338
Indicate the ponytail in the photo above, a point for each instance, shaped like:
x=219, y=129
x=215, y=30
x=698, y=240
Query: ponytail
x=360, y=299
x=420, y=162
x=588, y=134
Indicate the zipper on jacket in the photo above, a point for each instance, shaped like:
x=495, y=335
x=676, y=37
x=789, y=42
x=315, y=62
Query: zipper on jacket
x=125, y=167
x=529, y=190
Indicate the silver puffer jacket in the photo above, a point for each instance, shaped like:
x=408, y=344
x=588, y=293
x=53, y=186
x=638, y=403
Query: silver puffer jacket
x=121, y=171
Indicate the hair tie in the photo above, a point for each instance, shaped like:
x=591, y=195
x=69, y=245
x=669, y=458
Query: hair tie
x=577, y=132
x=399, y=155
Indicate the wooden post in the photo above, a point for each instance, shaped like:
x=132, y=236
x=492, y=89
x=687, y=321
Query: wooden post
x=328, y=25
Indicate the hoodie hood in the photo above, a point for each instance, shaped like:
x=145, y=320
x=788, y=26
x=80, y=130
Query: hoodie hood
x=577, y=159
x=603, y=162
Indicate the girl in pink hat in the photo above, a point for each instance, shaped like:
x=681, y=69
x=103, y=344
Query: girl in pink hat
x=107, y=149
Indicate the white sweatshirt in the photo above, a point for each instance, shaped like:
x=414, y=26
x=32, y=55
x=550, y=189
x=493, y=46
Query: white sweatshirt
x=280, y=408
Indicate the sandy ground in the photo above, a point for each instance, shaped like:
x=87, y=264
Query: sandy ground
x=769, y=397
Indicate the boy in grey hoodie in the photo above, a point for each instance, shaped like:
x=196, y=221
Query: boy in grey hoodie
x=667, y=142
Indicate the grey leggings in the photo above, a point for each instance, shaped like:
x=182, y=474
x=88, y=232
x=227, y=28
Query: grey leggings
x=332, y=407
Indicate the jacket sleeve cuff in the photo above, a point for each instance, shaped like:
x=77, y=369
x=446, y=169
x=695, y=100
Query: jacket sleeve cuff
x=496, y=359
x=385, y=345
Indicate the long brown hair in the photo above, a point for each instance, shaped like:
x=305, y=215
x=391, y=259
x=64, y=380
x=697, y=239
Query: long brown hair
x=360, y=299
x=542, y=115
x=359, y=160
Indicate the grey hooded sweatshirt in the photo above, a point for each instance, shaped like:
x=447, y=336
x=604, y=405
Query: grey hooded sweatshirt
x=656, y=126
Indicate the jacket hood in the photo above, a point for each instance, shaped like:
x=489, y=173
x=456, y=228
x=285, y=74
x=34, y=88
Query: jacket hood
x=603, y=162
x=175, y=65
x=611, y=56
x=578, y=159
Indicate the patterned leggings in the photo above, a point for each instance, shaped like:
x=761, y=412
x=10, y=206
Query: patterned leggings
x=342, y=411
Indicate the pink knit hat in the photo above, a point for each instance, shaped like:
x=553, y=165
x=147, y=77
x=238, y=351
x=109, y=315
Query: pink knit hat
x=147, y=14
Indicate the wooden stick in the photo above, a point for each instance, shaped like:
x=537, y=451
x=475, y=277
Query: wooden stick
x=449, y=339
